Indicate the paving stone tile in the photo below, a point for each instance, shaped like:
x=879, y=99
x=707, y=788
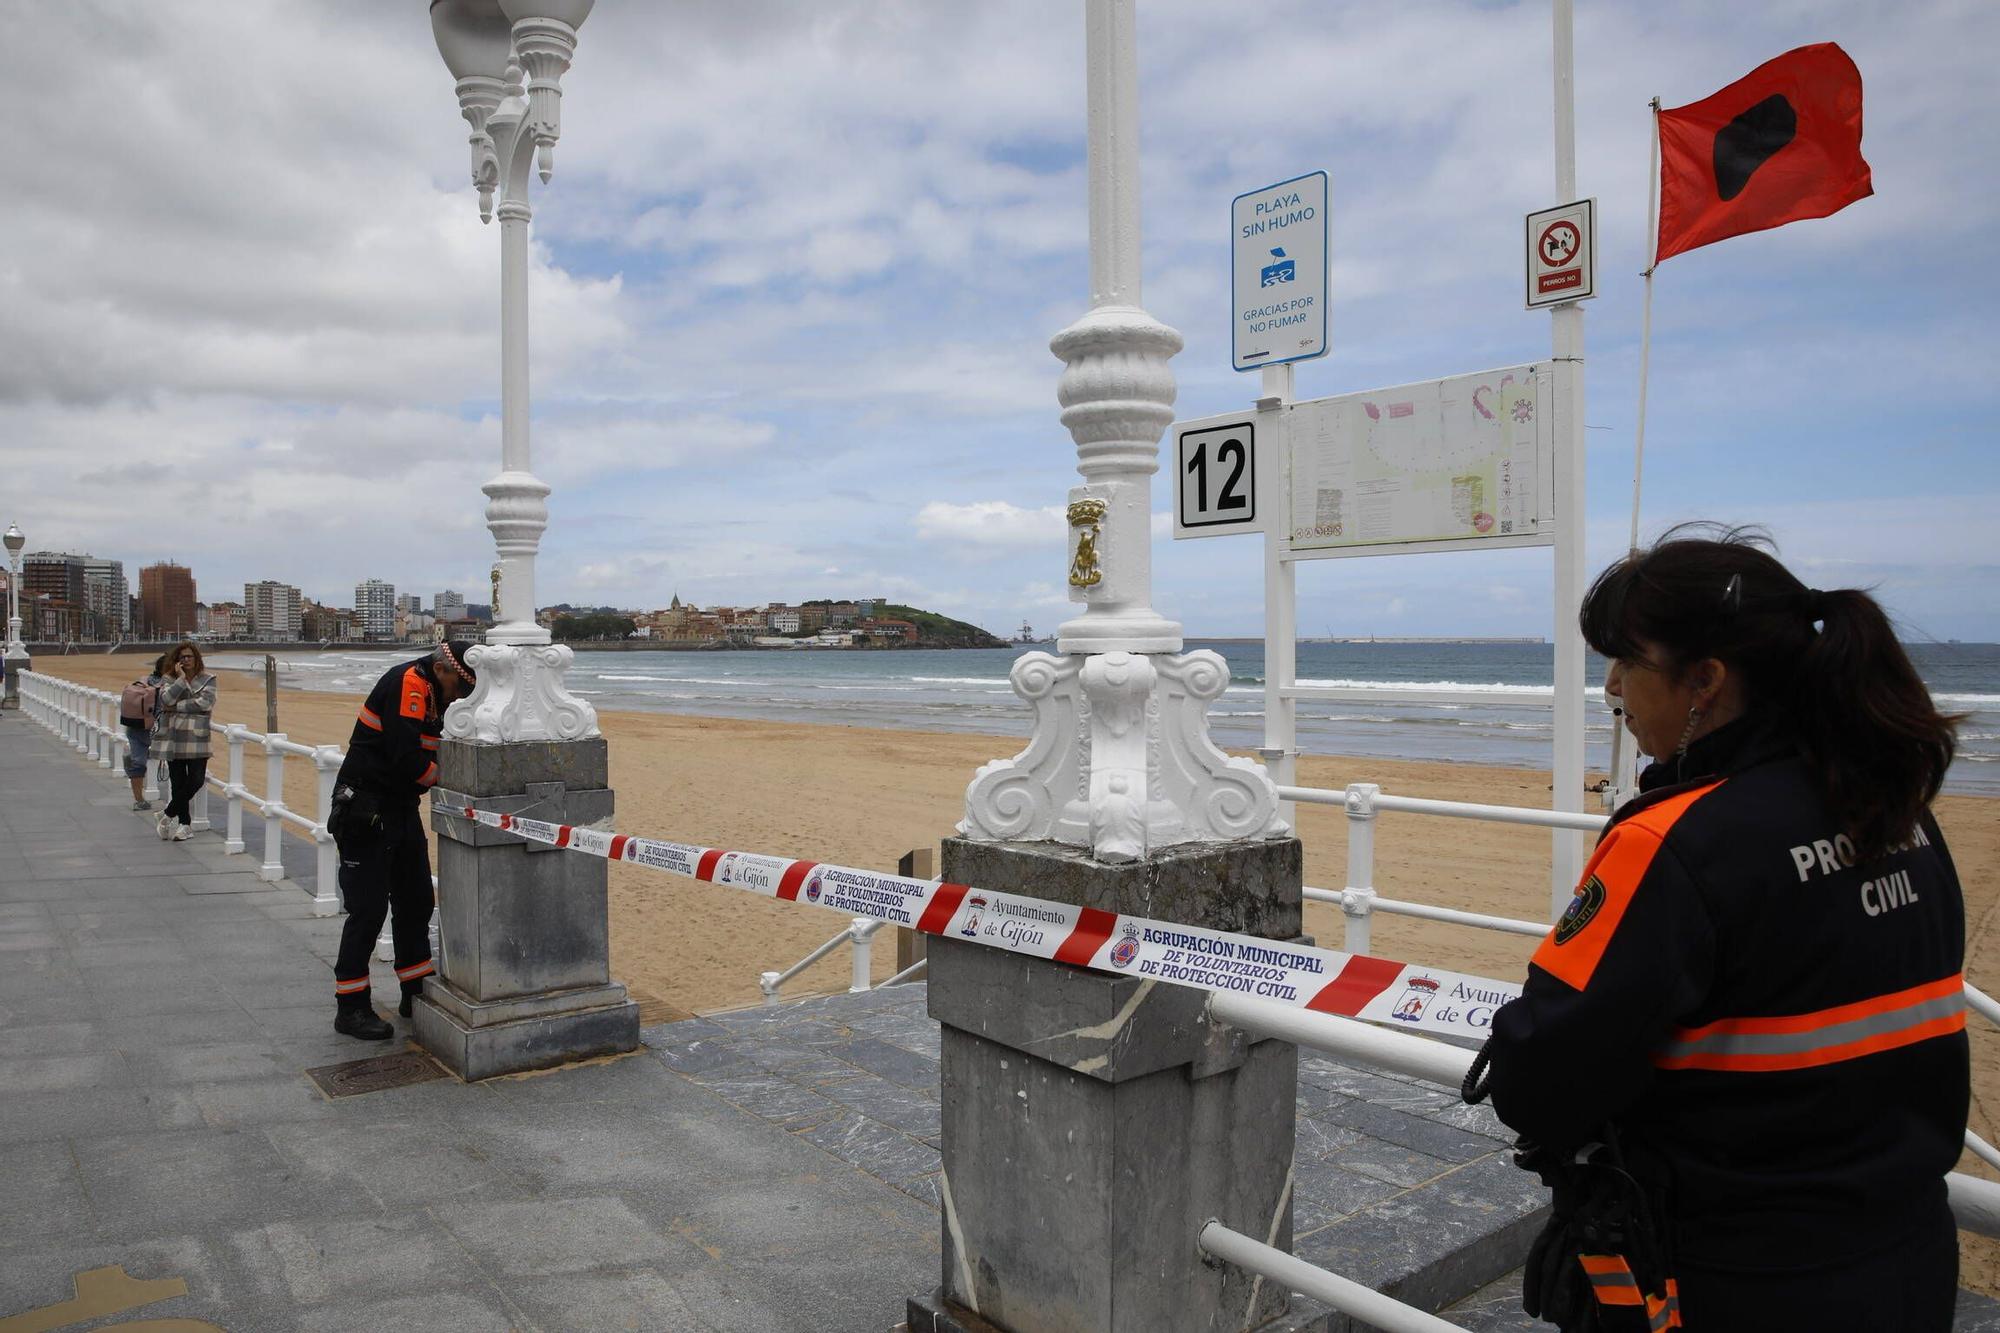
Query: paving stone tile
x=1387, y=1161
x=553, y=1235
x=51, y=1038
x=44, y=1193
x=904, y=1109
x=442, y=1309
x=1322, y=1194
x=774, y=1098
x=23, y=941
x=42, y=1115
x=890, y=1062
x=882, y=1152
x=149, y=1184
x=641, y=1298
x=628, y=1078
x=401, y=1164
x=1409, y=1131
x=704, y=1055
x=205, y=1063
x=63, y=1073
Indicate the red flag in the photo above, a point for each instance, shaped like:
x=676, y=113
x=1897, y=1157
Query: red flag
x=1780, y=144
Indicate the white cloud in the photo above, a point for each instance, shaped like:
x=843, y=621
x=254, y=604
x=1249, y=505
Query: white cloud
x=991, y=523
x=793, y=285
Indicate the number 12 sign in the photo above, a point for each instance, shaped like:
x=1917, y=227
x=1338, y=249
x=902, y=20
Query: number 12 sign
x=1215, y=480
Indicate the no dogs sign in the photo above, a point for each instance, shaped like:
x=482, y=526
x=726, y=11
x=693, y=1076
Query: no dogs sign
x=1562, y=254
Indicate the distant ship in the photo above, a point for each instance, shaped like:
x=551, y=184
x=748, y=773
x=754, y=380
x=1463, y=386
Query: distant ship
x=1027, y=636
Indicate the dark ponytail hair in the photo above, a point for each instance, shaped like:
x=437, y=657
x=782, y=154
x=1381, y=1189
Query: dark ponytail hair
x=1845, y=692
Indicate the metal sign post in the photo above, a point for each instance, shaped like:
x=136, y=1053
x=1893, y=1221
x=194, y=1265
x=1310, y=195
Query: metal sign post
x=1566, y=330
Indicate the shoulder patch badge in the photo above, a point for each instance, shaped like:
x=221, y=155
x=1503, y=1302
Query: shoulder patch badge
x=1581, y=911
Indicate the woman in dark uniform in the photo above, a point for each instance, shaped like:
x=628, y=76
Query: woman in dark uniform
x=1750, y=1020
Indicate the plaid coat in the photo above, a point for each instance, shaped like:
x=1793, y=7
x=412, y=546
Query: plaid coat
x=185, y=707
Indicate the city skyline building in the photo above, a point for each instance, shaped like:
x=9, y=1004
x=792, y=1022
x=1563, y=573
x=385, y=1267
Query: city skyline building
x=375, y=609
x=275, y=610
x=166, y=600
x=107, y=596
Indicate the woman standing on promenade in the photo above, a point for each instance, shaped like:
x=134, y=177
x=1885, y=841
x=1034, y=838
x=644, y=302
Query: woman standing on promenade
x=186, y=704
x=1740, y=1056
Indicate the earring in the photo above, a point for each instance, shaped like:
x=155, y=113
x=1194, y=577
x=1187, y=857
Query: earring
x=1687, y=732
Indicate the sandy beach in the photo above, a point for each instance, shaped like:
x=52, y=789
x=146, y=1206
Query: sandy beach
x=863, y=797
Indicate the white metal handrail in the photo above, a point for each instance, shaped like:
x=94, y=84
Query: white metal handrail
x=1358, y=901
x=860, y=932
x=1975, y=1202
x=87, y=719
x=1341, y=1293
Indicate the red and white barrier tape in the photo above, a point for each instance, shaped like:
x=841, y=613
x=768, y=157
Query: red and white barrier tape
x=1348, y=984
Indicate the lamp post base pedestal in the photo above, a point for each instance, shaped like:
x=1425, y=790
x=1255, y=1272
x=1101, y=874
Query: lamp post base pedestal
x=1093, y=1122
x=525, y=981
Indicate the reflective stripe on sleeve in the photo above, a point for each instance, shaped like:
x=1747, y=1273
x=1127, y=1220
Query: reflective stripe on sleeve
x=369, y=718
x=428, y=742
x=1823, y=1037
x=430, y=775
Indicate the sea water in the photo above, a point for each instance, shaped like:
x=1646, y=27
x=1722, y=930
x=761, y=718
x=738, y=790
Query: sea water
x=967, y=690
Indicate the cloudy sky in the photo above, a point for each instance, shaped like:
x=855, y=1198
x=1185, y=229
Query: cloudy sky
x=797, y=271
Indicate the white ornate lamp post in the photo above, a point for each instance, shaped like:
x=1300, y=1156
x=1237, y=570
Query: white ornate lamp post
x=17, y=652
x=1120, y=803
x=526, y=980
x=1120, y=760
x=487, y=44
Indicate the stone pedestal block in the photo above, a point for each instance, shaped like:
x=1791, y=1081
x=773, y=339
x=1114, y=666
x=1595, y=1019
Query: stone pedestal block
x=1093, y=1123
x=525, y=980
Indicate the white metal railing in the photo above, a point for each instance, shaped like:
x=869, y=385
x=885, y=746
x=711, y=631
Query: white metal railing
x=1362, y=802
x=1974, y=1201
x=1341, y=1293
x=87, y=719
x=860, y=932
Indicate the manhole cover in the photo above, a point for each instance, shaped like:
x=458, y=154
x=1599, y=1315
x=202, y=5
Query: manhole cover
x=375, y=1074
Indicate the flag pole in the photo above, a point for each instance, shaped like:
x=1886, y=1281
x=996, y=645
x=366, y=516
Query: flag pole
x=1624, y=750
x=1646, y=321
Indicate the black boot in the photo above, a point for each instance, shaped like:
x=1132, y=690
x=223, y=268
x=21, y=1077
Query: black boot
x=362, y=1023
x=409, y=999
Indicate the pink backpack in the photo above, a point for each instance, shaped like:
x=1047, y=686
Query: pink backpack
x=136, y=703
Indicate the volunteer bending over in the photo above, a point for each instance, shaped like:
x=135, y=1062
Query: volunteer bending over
x=1750, y=1019
x=385, y=859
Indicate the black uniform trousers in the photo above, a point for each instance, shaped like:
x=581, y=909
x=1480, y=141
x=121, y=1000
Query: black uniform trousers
x=1910, y=1287
x=385, y=862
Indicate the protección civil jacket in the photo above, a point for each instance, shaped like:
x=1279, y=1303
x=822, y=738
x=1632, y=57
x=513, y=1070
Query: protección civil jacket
x=1777, y=1032
x=392, y=755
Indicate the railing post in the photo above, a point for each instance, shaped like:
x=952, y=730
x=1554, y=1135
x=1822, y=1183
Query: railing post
x=104, y=722
x=326, y=874
x=233, y=840
x=768, y=982
x=274, y=806
x=198, y=820
x=1357, y=901
x=862, y=932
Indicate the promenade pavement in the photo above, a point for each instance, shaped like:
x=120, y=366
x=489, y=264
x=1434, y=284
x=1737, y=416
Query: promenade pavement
x=769, y=1169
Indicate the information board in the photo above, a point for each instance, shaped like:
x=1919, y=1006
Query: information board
x=1467, y=459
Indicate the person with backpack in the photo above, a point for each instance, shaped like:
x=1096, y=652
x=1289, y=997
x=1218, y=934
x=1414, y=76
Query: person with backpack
x=187, y=701
x=138, y=712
